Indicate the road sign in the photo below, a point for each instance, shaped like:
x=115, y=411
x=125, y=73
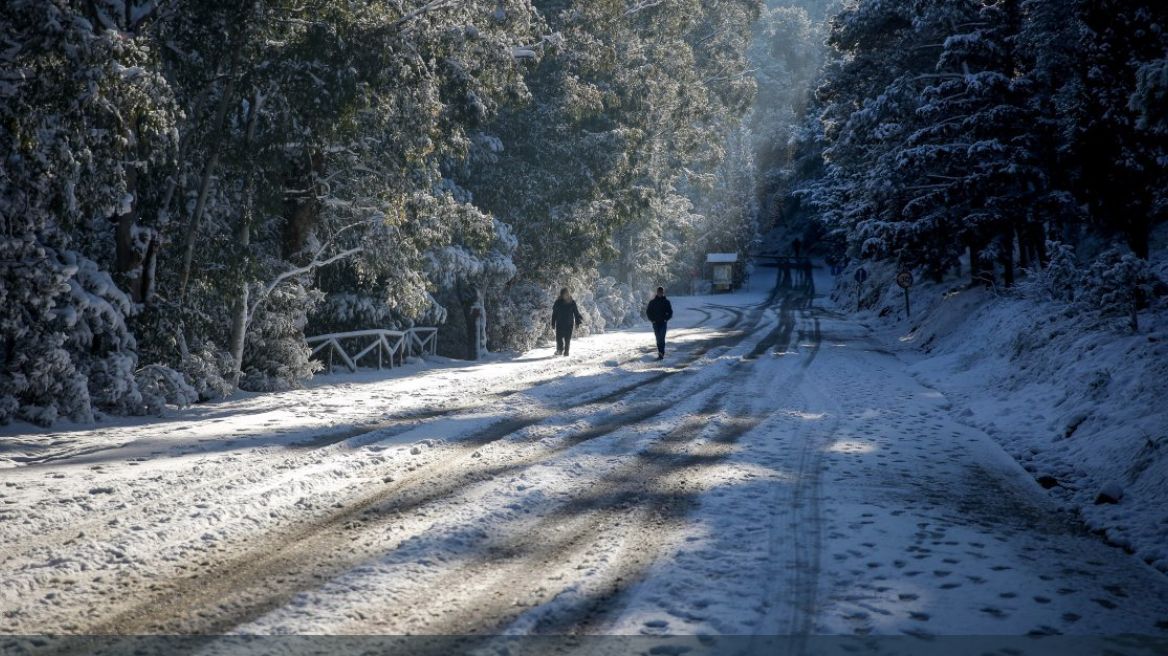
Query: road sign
x=861, y=275
x=905, y=280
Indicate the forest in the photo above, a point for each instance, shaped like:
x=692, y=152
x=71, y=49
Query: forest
x=189, y=188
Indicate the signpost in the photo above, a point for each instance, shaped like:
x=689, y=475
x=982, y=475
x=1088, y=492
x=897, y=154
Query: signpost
x=905, y=280
x=722, y=270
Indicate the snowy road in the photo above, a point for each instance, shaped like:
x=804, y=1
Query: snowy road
x=777, y=474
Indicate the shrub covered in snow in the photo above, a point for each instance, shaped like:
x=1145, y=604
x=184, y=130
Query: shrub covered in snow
x=69, y=351
x=164, y=333
x=1120, y=284
x=1115, y=284
x=517, y=316
x=276, y=357
x=1059, y=280
x=616, y=306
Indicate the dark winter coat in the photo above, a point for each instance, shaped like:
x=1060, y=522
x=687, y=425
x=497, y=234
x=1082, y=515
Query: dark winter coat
x=660, y=310
x=565, y=316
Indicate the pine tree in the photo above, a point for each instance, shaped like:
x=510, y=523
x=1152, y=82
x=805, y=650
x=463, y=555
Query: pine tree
x=1119, y=162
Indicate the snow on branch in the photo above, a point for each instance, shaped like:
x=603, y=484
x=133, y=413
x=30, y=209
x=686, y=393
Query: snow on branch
x=432, y=6
x=531, y=52
x=316, y=263
x=642, y=6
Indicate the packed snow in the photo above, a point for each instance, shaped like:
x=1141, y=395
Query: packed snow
x=787, y=470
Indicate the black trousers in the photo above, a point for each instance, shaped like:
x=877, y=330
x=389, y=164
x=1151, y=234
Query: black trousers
x=659, y=332
x=563, y=340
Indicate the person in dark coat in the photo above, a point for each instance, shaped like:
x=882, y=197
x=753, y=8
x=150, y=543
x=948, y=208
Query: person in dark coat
x=565, y=317
x=660, y=311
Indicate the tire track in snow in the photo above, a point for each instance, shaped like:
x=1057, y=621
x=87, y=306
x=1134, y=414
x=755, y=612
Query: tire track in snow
x=796, y=547
x=288, y=561
x=725, y=561
x=613, y=509
x=657, y=485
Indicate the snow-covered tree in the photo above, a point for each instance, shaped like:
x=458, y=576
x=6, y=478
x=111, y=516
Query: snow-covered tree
x=1116, y=154
x=971, y=168
x=82, y=116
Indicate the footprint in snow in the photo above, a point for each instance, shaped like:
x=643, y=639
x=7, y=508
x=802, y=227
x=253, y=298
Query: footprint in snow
x=657, y=624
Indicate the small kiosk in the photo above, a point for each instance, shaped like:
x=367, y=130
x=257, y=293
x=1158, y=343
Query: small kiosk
x=721, y=270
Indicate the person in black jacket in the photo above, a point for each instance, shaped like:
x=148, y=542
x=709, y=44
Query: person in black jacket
x=660, y=311
x=565, y=317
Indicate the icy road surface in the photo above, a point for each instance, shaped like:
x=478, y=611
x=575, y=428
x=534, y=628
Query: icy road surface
x=777, y=474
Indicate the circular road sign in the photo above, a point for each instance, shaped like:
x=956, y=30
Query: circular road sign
x=861, y=275
x=904, y=279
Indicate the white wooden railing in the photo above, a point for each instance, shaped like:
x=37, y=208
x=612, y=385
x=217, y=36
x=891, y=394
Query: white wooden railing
x=386, y=344
x=424, y=340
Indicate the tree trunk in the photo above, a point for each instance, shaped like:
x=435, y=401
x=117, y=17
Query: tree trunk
x=301, y=205
x=239, y=310
x=238, y=333
x=1007, y=259
x=240, y=316
x=212, y=164
x=1025, y=254
x=1040, y=253
x=128, y=256
x=468, y=298
x=1138, y=231
x=974, y=262
x=149, y=268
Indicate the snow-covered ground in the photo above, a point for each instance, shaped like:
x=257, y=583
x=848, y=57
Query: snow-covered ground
x=1083, y=407
x=782, y=472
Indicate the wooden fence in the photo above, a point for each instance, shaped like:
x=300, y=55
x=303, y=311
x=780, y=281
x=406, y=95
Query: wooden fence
x=355, y=346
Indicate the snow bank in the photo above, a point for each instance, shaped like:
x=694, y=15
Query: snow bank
x=1082, y=406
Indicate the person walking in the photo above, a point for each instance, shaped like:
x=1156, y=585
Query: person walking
x=660, y=311
x=565, y=317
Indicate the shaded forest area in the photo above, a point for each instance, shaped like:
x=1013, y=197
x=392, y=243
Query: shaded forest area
x=986, y=137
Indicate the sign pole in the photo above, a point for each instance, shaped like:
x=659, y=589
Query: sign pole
x=905, y=280
x=861, y=276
